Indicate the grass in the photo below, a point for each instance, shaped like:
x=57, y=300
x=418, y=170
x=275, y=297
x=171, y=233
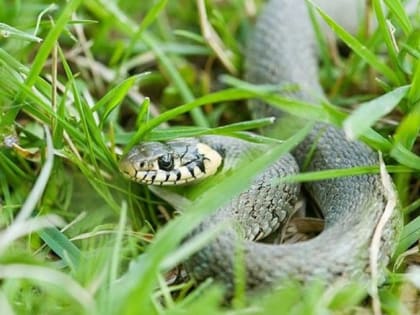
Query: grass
x=77, y=238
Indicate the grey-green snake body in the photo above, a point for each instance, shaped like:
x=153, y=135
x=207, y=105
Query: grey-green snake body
x=282, y=51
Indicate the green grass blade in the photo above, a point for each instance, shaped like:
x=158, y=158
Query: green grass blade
x=226, y=95
x=388, y=38
x=368, y=113
x=322, y=42
x=177, y=79
x=361, y=50
x=129, y=26
x=148, y=20
x=61, y=246
x=299, y=108
x=144, y=112
x=412, y=207
x=191, y=131
x=11, y=169
x=409, y=128
x=414, y=93
x=405, y=156
x=115, y=96
x=50, y=41
x=91, y=130
x=117, y=248
x=40, y=183
x=7, y=31
x=54, y=278
x=44, y=51
x=410, y=235
x=336, y=173
x=411, y=50
x=397, y=9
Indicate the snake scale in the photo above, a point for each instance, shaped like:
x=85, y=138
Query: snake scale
x=281, y=51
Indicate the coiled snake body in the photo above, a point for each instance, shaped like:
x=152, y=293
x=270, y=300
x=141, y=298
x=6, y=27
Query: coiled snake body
x=281, y=52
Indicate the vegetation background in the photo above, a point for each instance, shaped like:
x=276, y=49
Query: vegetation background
x=82, y=80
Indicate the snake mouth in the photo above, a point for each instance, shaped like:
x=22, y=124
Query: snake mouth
x=171, y=163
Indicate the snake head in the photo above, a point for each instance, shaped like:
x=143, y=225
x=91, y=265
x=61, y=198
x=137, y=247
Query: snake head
x=168, y=163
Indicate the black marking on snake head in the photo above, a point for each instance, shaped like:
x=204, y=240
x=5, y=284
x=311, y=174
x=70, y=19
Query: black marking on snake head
x=166, y=162
x=144, y=176
x=153, y=177
x=185, y=152
x=178, y=174
x=190, y=168
x=200, y=163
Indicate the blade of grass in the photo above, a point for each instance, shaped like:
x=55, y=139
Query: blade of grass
x=412, y=207
x=41, y=182
x=326, y=113
x=5, y=306
x=44, y=50
x=49, y=275
x=7, y=31
x=61, y=246
x=17, y=69
x=322, y=44
x=360, y=49
x=411, y=50
x=117, y=248
x=187, y=131
x=414, y=93
x=129, y=27
x=144, y=112
x=12, y=170
x=43, y=112
x=91, y=131
x=226, y=95
x=335, y=173
x=299, y=108
x=58, y=128
x=409, y=235
x=396, y=8
x=180, y=83
x=387, y=35
x=406, y=135
x=115, y=96
x=405, y=156
x=368, y=113
x=148, y=20
x=49, y=42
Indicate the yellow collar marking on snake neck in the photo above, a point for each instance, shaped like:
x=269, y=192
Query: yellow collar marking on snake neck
x=195, y=163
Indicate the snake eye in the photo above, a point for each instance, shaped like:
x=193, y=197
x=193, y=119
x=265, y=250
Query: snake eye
x=166, y=162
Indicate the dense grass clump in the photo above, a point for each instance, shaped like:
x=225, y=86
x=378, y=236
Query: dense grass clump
x=82, y=81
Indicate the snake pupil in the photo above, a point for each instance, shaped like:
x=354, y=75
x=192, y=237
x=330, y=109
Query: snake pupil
x=166, y=162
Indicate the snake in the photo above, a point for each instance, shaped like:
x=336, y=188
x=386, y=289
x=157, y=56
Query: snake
x=281, y=51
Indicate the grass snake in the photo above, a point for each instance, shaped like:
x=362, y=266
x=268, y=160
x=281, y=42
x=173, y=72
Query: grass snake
x=281, y=51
